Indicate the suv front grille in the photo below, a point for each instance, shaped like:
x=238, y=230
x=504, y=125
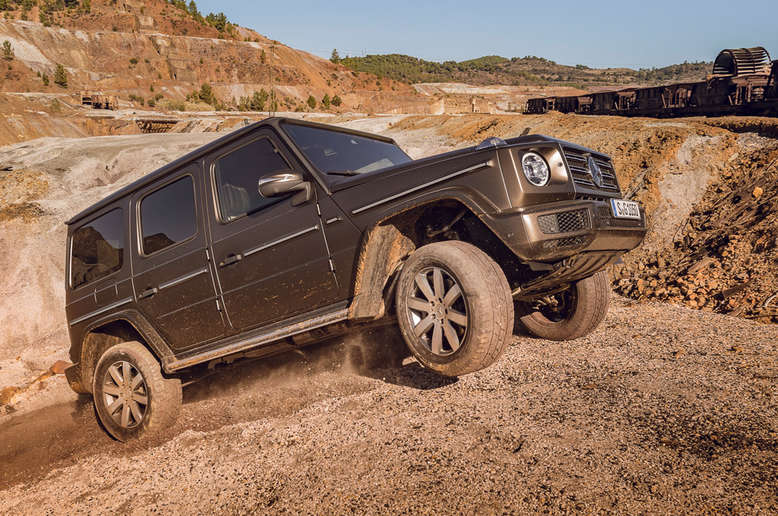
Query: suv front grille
x=564, y=222
x=578, y=161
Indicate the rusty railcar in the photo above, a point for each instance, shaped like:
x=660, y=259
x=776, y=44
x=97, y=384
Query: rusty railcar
x=742, y=82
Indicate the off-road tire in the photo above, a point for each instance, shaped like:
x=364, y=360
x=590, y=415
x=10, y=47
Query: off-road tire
x=591, y=297
x=485, y=293
x=164, y=395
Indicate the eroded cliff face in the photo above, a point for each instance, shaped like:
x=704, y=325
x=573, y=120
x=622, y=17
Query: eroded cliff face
x=146, y=63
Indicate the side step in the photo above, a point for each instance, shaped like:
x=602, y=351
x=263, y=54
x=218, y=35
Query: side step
x=240, y=343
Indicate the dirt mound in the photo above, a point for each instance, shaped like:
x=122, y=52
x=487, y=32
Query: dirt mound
x=726, y=255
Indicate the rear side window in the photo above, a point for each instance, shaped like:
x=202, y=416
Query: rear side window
x=97, y=249
x=237, y=178
x=167, y=216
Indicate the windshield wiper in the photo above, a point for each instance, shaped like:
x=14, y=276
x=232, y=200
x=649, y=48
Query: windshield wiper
x=343, y=172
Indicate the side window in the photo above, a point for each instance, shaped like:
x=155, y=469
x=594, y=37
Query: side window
x=97, y=248
x=237, y=177
x=167, y=216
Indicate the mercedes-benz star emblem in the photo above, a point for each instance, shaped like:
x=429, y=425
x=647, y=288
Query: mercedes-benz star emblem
x=594, y=169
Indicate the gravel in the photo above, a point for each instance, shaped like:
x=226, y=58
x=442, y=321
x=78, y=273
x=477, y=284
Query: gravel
x=662, y=409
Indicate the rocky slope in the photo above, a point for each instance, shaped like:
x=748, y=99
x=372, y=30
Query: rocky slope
x=149, y=49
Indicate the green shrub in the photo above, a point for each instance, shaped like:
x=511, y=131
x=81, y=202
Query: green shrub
x=8, y=50
x=61, y=76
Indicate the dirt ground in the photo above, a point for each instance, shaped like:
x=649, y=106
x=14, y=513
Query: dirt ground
x=662, y=410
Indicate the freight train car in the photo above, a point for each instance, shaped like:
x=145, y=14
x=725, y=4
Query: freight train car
x=743, y=82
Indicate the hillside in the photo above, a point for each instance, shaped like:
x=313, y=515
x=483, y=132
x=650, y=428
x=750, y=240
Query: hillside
x=528, y=70
x=152, y=49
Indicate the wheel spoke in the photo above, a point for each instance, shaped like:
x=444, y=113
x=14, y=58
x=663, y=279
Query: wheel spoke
x=451, y=335
x=437, y=279
x=113, y=407
x=125, y=422
x=424, y=285
x=136, y=413
x=457, y=318
x=137, y=381
x=126, y=373
x=424, y=325
x=112, y=390
x=116, y=375
x=437, y=339
x=140, y=398
x=452, y=295
x=420, y=305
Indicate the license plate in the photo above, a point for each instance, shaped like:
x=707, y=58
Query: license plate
x=625, y=209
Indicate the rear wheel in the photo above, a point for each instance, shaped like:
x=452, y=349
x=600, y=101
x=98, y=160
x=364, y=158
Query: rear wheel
x=569, y=314
x=454, y=308
x=131, y=396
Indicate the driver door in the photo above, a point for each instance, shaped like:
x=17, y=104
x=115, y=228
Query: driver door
x=271, y=258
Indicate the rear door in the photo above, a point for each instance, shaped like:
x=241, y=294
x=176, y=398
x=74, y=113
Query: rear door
x=271, y=256
x=172, y=276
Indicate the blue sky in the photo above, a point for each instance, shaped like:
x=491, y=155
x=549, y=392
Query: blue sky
x=607, y=33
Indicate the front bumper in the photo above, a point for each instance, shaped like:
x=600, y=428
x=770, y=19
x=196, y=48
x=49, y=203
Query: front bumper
x=554, y=231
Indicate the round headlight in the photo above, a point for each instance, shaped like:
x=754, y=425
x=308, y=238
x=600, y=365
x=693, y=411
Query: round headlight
x=536, y=169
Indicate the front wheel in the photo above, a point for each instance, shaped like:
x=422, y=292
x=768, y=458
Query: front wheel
x=454, y=308
x=569, y=314
x=131, y=396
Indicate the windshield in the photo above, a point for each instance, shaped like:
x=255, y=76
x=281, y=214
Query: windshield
x=336, y=153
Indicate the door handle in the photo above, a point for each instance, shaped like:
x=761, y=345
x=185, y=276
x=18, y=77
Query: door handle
x=230, y=260
x=148, y=292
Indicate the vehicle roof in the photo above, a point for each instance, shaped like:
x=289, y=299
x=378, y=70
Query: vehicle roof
x=274, y=122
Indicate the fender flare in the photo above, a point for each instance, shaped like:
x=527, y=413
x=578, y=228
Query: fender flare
x=152, y=339
x=385, y=247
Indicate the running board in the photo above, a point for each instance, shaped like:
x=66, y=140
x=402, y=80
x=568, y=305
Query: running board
x=241, y=343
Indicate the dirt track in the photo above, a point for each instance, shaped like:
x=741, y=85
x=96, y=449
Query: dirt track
x=663, y=409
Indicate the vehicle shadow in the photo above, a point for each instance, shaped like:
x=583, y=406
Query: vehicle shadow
x=411, y=375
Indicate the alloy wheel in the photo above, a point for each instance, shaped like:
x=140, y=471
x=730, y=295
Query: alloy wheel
x=438, y=312
x=125, y=394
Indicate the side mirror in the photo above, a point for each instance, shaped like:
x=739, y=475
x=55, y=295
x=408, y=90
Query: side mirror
x=284, y=183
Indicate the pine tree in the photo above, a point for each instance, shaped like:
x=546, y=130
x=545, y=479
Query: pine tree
x=311, y=102
x=258, y=100
x=335, y=57
x=325, y=101
x=61, y=76
x=8, y=51
x=336, y=101
x=206, y=94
